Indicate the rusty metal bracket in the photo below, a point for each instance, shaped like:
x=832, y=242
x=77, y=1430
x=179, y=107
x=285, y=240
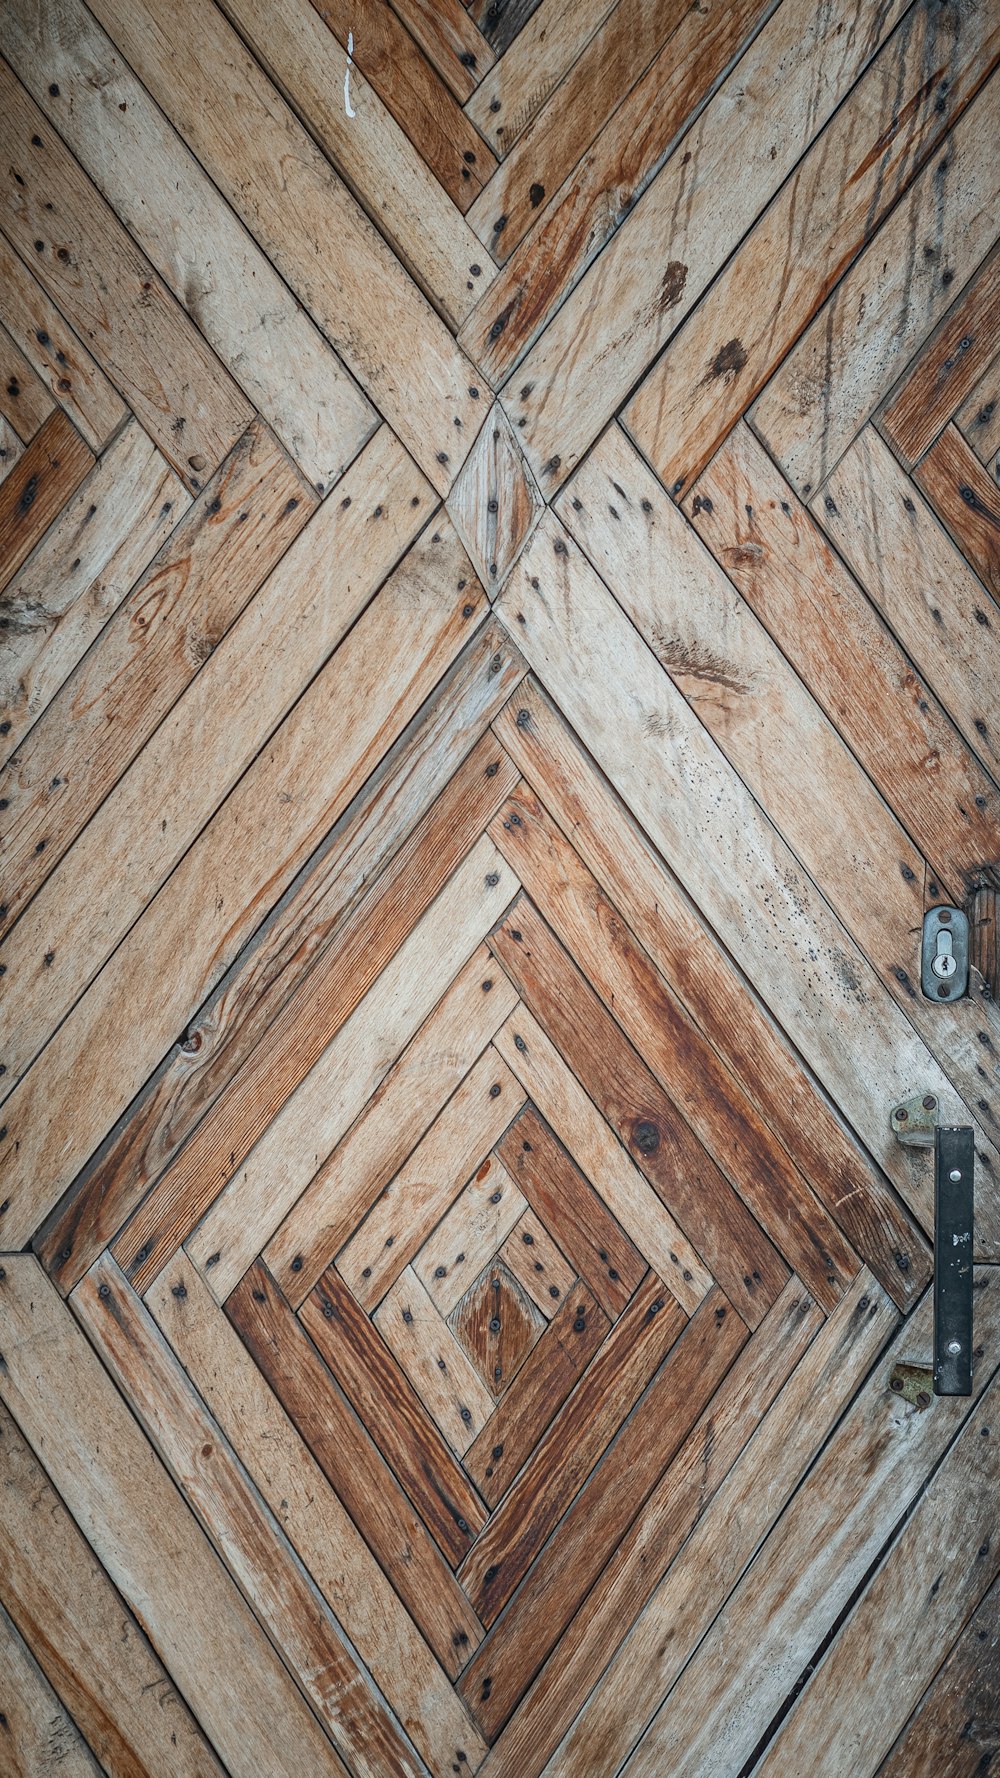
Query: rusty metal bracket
x=915, y=1120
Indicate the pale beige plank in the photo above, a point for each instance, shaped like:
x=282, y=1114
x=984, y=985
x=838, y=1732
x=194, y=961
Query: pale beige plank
x=468, y=1236
x=81, y=571
x=903, y=283
x=11, y=447
x=242, y=1529
x=495, y=503
x=450, y=1388
x=203, y=254
x=131, y=1514
x=805, y=1573
x=350, y=1070
x=111, y=294
x=244, y=691
x=67, y=374
x=312, y=1518
x=579, y=1125
x=307, y=222
x=413, y=1203
x=849, y=1029
x=517, y=87
x=37, y=1736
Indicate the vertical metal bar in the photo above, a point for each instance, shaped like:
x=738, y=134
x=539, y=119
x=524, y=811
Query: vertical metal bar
x=954, y=1163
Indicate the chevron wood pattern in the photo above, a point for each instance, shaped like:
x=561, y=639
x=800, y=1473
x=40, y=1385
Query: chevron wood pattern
x=499, y=583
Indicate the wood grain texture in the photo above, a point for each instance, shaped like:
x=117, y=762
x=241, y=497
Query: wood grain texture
x=49, y=472
x=60, y=372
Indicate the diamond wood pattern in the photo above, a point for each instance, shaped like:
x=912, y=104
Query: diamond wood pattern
x=499, y=577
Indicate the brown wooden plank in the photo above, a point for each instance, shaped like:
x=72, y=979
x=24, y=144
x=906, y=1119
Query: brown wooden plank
x=437, y=1364
x=537, y=44
x=85, y=1638
x=498, y=1324
x=574, y=1213
x=948, y=370
x=451, y=40
x=519, y=1642
x=818, y=614
x=296, y=1038
x=979, y=419
x=722, y=1115
x=311, y=1516
x=576, y=1438
x=538, y=1263
x=954, y=1728
x=224, y=1031
x=54, y=355
x=646, y=1119
x=150, y=1543
x=115, y=300
x=11, y=448
x=345, y=1452
x=37, y=1736
x=394, y=1415
x=894, y=120
x=537, y=1393
x=24, y=400
x=966, y=497
x=240, y=1525
x=48, y=474
x=468, y=1236
x=163, y=632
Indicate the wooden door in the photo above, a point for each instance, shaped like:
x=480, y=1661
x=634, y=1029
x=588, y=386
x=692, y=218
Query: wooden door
x=499, y=578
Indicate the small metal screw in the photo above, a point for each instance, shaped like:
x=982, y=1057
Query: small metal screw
x=954, y=1347
x=955, y=1175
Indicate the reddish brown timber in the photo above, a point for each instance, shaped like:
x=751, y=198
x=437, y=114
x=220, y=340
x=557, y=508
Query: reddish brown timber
x=573, y=1212
x=569, y=1450
x=50, y=471
x=363, y=1481
x=561, y=1356
x=394, y=1415
x=568, y=1566
x=452, y=41
x=948, y=370
x=363, y=841
x=498, y=1325
x=979, y=419
x=54, y=356
x=645, y=1117
x=722, y=1115
x=145, y=657
x=531, y=1254
x=967, y=499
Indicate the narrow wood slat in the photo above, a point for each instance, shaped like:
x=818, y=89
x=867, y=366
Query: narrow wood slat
x=854, y=666
x=531, y=1254
x=498, y=1325
x=836, y=376
x=54, y=356
x=947, y=372
x=345, y=1452
x=240, y=1525
x=281, y=187
x=114, y=299
x=537, y=1393
x=849, y=1184
x=979, y=419
x=910, y=570
x=60, y=600
x=85, y=1638
x=965, y=496
x=631, y=300
x=416, y=217
x=599, y=193
x=437, y=1366
x=394, y=1415
x=38, y=1736
x=48, y=474
x=895, y=118
x=311, y=1516
x=566, y=1569
x=645, y=1118
x=698, y=1530
x=309, y=1020
x=225, y=1029
x=723, y=1117
x=564, y=1457
x=501, y=20
x=599, y=1250
x=451, y=40
x=581, y=1129
x=469, y=1234
x=934, y=1576
x=869, y=1472
x=412, y=1204
x=24, y=400
x=736, y=858
x=11, y=448
x=425, y=100
x=537, y=44
x=241, y=864
x=233, y=705
x=315, y=1117
x=130, y=1512
x=395, y=1118
x=286, y=370
x=953, y=1729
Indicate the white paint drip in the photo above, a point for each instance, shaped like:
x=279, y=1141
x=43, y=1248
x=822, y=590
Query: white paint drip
x=348, y=107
